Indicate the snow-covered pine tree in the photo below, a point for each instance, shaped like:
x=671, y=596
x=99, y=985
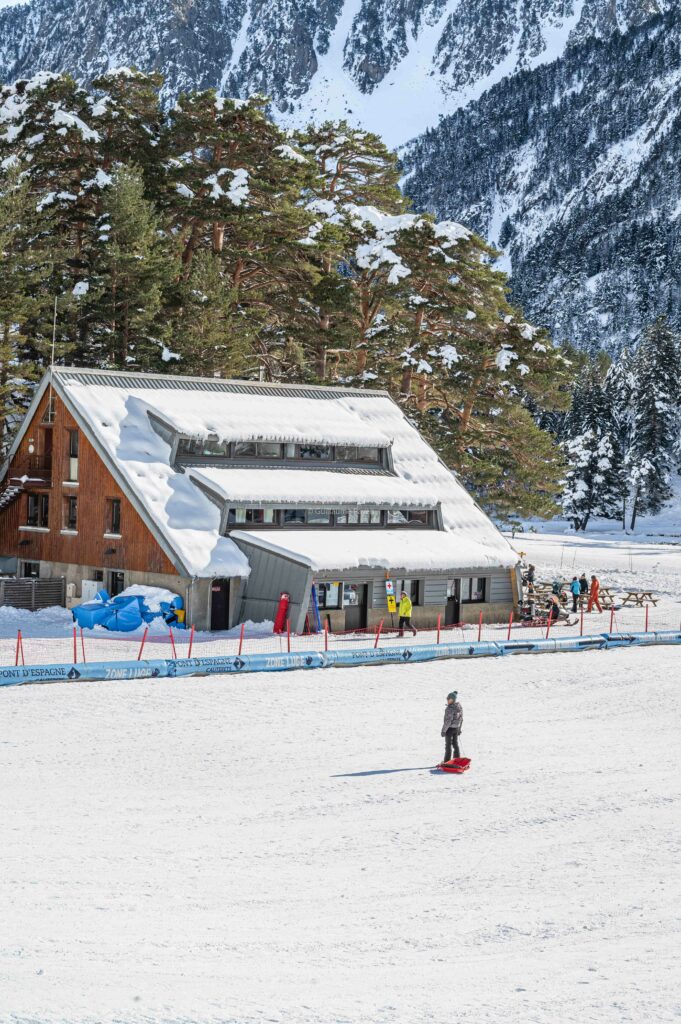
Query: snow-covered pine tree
x=136, y=267
x=655, y=420
x=355, y=168
x=234, y=188
x=127, y=114
x=595, y=481
x=17, y=285
x=50, y=137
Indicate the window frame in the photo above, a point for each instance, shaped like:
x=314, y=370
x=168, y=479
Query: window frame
x=110, y=525
x=466, y=588
x=69, y=519
x=42, y=510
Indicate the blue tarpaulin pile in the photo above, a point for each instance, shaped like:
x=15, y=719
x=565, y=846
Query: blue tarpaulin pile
x=125, y=613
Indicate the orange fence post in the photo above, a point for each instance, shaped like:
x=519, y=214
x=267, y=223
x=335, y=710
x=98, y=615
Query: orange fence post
x=480, y=628
x=548, y=625
x=326, y=634
x=647, y=609
x=378, y=634
x=510, y=624
x=241, y=638
x=82, y=645
x=191, y=642
x=75, y=646
x=439, y=622
x=612, y=618
x=581, y=621
x=144, y=640
x=288, y=635
x=172, y=642
x=20, y=649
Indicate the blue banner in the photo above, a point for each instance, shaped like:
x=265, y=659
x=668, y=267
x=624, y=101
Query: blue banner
x=241, y=664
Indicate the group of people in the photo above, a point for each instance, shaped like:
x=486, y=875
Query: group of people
x=556, y=605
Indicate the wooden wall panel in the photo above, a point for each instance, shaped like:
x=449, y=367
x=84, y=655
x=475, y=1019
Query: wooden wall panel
x=136, y=550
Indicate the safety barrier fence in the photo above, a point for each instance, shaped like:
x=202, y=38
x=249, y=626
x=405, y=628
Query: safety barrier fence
x=89, y=646
x=279, y=662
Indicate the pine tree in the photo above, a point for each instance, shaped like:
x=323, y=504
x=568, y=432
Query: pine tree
x=656, y=395
x=355, y=169
x=134, y=270
x=209, y=340
x=595, y=481
x=17, y=371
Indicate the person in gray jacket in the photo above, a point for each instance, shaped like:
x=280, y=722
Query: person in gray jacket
x=451, y=727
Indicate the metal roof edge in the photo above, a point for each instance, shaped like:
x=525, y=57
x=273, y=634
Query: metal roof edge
x=249, y=385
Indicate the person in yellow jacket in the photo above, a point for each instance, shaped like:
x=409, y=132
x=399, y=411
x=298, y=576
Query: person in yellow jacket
x=405, y=613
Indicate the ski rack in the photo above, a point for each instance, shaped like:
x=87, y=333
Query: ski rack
x=404, y=655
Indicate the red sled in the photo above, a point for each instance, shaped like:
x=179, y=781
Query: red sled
x=457, y=765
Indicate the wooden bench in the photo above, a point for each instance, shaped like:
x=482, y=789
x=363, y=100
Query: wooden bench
x=638, y=598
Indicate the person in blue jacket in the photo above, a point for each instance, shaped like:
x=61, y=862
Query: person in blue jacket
x=575, y=590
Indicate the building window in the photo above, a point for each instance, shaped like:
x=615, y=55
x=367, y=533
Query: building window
x=116, y=582
x=257, y=450
x=347, y=517
x=370, y=517
x=30, y=570
x=48, y=415
x=474, y=589
x=250, y=517
x=411, y=588
x=318, y=517
x=205, y=447
x=98, y=575
x=38, y=510
x=329, y=595
x=315, y=452
x=70, y=513
x=294, y=516
x=73, y=456
x=396, y=517
x=113, y=516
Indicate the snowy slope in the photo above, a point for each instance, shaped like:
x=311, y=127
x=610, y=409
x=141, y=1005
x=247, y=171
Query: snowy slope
x=154, y=872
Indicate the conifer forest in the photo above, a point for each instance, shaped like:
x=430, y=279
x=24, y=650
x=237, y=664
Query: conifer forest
x=206, y=240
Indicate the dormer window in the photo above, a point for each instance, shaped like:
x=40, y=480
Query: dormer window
x=211, y=451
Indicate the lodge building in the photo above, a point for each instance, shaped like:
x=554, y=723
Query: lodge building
x=233, y=492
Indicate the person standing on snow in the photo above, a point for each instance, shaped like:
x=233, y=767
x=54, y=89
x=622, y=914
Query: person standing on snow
x=575, y=590
x=583, y=584
x=593, y=595
x=451, y=727
x=405, y=613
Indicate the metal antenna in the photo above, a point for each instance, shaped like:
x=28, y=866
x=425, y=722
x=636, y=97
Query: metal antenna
x=54, y=342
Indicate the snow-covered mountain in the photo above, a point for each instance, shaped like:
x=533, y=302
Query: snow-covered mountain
x=546, y=124
x=574, y=169
x=394, y=65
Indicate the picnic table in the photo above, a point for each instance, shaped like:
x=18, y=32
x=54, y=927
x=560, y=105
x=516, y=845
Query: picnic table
x=638, y=598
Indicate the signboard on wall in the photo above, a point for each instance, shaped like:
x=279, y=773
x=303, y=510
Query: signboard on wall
x=390, y=596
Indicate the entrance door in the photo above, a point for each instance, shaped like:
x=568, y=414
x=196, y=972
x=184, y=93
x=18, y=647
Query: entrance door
x=355, y=596
x=453, y=609
x=219, y=604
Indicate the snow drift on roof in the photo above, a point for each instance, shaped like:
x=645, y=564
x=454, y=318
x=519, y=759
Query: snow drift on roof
x=236, y=417
x=316, y=486
x=413, y=551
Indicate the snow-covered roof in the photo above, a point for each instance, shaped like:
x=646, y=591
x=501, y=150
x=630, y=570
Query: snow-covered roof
x=411, y=550
x=319, y=487
x=115, y=407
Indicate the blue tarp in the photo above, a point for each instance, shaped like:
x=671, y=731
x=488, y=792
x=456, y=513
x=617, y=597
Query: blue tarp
x=123, y=614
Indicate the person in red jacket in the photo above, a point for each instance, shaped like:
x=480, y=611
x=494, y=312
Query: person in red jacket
x=593, y=595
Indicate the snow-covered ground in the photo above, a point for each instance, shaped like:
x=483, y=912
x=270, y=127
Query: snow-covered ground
x=278, y=849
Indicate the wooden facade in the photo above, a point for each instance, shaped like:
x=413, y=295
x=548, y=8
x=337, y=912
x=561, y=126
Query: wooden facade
x=52, y=469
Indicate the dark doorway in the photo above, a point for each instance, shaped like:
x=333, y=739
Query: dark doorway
x=219, y=604
x=116, y=583
x=453, y=609
x=355, y=604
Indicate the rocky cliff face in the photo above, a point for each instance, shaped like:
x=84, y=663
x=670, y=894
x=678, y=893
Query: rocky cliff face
x=546, y=124
x=574, y=169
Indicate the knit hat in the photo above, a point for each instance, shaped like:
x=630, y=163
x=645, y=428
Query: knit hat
x=453, y=695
